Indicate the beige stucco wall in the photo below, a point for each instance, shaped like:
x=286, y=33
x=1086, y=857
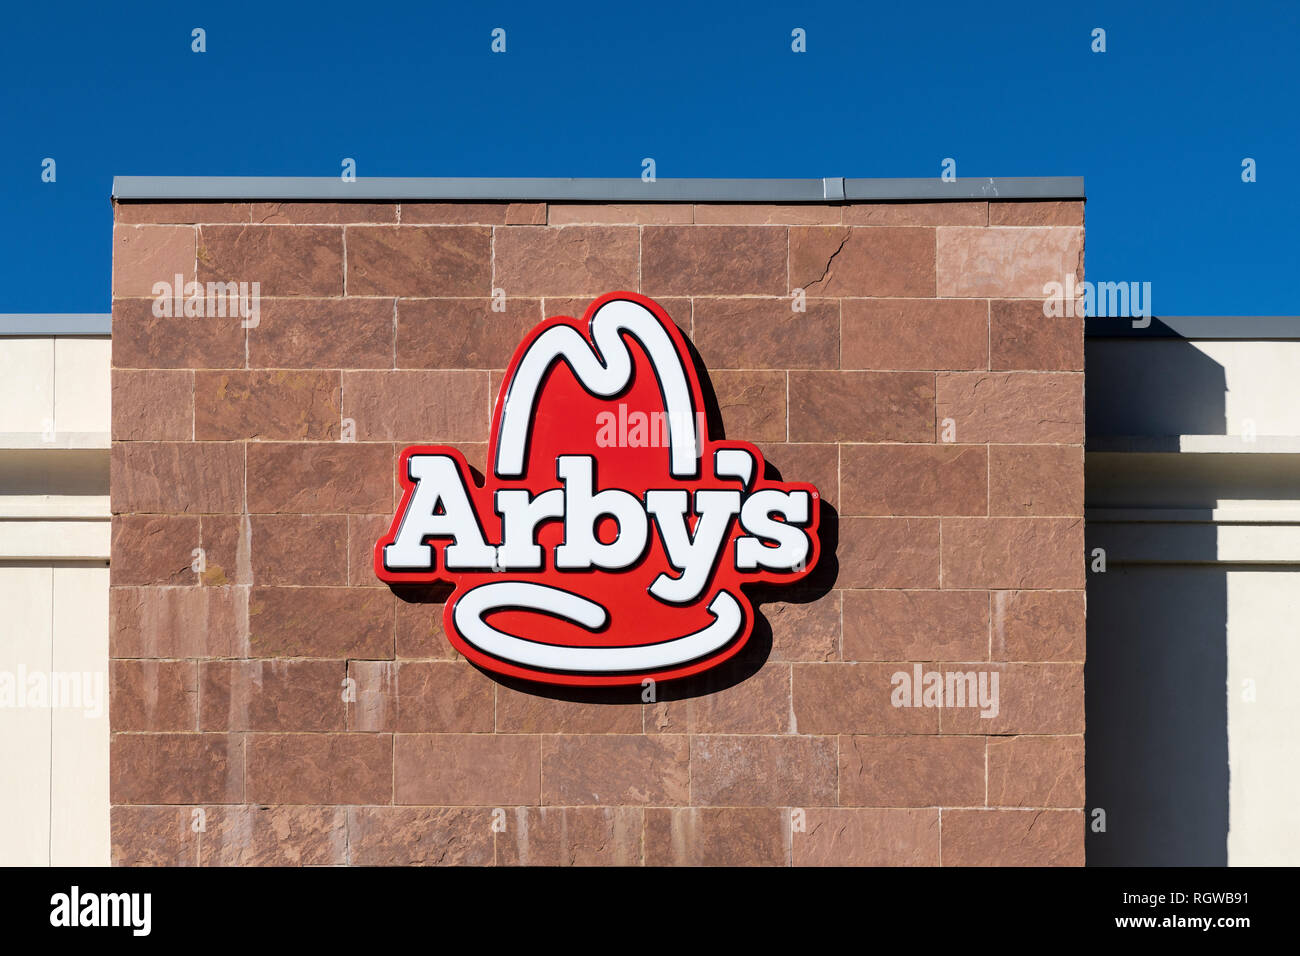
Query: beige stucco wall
x=1219, y=507
x=1263, y=716
x=54, y=544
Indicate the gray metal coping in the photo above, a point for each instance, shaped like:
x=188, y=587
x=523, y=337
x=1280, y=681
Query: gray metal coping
x=38, y=324
x=1202, y=327
x=487, y=189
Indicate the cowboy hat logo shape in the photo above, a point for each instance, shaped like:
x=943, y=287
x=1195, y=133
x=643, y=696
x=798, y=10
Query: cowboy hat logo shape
x=611, y=538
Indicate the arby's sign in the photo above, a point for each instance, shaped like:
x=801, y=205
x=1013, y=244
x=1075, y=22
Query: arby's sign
x=611, y=539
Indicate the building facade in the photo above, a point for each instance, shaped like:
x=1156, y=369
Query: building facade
x=54, y=586
x=1194, y=510
x=274, y=701
x=888, y=343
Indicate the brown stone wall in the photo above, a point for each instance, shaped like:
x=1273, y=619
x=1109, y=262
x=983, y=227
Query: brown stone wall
x=229, y=446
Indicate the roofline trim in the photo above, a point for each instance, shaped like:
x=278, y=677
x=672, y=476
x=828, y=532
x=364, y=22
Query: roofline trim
x=1198, y=327
x=41, y=324
x=1194, y=327
x=487, y=189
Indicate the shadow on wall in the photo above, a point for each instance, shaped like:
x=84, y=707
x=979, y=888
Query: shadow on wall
x=1155, y=384
x=1157, y=665
x=1157, y=738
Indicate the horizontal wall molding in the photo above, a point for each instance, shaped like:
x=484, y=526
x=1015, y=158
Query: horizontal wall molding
x=57, y=441
x=39, y=324
x=1196, y=543
x=54, y=539
x=1202, y=327
x=89, y=507
x=1194, y=444
x=486, y=189
x=1233, y=512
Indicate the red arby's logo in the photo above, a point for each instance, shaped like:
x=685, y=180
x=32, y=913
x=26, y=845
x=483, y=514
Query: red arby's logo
x=611, y=538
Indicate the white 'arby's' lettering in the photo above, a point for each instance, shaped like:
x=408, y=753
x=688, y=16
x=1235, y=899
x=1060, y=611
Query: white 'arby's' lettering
x=756, y=518
x=583, y=510
x=440, y=508
x=692, y=556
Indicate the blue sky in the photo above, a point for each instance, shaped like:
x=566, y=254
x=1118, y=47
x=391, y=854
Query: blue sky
x=1158, y=124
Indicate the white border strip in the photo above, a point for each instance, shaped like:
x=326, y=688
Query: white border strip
x=37, y=324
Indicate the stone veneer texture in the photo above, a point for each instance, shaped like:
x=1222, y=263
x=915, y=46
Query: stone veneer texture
x=228, y=682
